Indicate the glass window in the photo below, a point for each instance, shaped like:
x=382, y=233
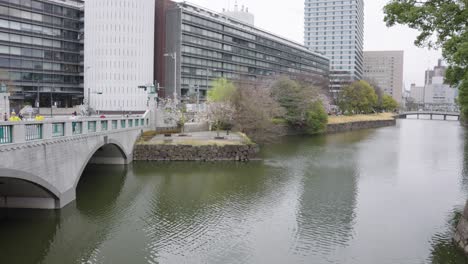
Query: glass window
x=37, y=5
x=4, y=62
x=15, y=25
x=4, y=10
x=4, y=23
x=15, y=51
x=4, y=49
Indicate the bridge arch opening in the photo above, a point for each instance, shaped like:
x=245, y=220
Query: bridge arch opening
x=109, y=154
x=22, y=193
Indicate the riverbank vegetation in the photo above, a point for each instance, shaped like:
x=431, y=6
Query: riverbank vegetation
x=363, y=98
x=256, y=107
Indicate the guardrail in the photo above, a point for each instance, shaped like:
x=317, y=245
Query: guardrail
x=28, y=131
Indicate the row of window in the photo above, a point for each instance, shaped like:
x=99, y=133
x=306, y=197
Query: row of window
x=42, y=54
x=245, y=35
x=21, y=14
x=44, y=78
x=202, y=32
x=38, y=65
x=39, y=41
x=26, y=27
x=46, y=8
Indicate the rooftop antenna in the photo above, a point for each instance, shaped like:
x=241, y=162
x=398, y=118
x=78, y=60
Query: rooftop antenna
x=236, y=7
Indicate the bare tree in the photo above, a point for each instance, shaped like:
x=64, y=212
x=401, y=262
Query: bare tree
x=256, y=110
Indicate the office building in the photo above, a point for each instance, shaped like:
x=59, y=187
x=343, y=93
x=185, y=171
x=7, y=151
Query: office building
x=210, y=45
x=119, y=53
x=417, y=93
x=385, y=68
x=336, y=29
x=435, y=93
x=41, y=52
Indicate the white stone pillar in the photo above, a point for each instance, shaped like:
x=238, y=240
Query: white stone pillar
x=4, y=104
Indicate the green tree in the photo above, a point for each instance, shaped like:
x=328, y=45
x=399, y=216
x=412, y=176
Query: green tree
x=388, y=103
x=442, y=24
x=358, y=98
x=296, y=99
x=222, y=91
x=317, y=118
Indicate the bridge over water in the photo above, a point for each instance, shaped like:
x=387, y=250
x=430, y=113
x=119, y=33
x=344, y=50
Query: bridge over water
x=431, y=114
x=41, y=162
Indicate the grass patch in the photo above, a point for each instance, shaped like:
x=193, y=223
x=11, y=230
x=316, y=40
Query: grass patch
x=360, y=118
x=193, y=142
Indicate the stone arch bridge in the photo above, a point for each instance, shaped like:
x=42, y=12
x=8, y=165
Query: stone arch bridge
x=41, y=163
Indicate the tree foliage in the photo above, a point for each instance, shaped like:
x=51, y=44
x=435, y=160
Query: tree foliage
x=222, y=91
x=296, y=98
x=358, y=98
x=388, y=103
x=317, y=118
x=442, y=24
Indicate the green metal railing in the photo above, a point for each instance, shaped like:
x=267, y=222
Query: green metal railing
x=77, y=128
x=104, y=125
x=33, y=132
x=91, y=126
x=6, y=135
x=58, y=129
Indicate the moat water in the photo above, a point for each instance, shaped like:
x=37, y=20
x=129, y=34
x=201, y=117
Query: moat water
x=389, y=195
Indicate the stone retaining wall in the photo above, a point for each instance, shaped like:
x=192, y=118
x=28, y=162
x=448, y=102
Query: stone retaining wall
x=145, y=152
x=461, y=233
x=338, y=128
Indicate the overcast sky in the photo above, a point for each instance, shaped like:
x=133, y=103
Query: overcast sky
x=285, y=18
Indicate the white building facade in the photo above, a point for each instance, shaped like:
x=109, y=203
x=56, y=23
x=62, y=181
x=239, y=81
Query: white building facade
x=385, y=68
x=118, y=53
x=336, y=29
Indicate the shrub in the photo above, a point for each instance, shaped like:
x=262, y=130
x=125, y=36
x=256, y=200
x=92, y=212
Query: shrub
x=316, y=118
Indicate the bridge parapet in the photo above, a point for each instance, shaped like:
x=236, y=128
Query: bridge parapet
x=17, y=133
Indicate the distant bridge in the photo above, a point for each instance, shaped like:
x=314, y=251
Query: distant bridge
x=431, y=114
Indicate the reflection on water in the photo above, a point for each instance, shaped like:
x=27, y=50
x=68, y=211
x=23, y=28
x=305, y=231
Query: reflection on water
x=389, y=195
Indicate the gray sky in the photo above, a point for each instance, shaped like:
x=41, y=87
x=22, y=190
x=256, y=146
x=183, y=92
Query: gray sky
x=285, y=18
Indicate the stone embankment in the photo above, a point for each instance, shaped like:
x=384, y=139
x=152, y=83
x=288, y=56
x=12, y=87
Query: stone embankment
x=161, y=152
x=461, y=232
x=358, y=125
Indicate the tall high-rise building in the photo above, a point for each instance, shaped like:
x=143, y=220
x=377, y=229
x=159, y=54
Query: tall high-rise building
x=41, y=52
x=336, y=29
x=119, y=53
x=385, y=68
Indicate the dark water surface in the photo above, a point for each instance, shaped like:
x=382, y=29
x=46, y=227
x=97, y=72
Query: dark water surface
x=383, y=196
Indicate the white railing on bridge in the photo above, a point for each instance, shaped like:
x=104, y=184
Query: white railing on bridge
x=27, y=131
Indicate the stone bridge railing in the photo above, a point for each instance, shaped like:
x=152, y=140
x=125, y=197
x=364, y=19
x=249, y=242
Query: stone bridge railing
x=27, y=131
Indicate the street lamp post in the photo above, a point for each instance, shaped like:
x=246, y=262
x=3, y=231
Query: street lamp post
x=51, y=102
x=173, y=55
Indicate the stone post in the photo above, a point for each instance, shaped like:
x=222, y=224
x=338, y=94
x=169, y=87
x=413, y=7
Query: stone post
x=152, y=107
x=19, y=133
x=4, y=104
x=461, y=233
x=47, y=130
